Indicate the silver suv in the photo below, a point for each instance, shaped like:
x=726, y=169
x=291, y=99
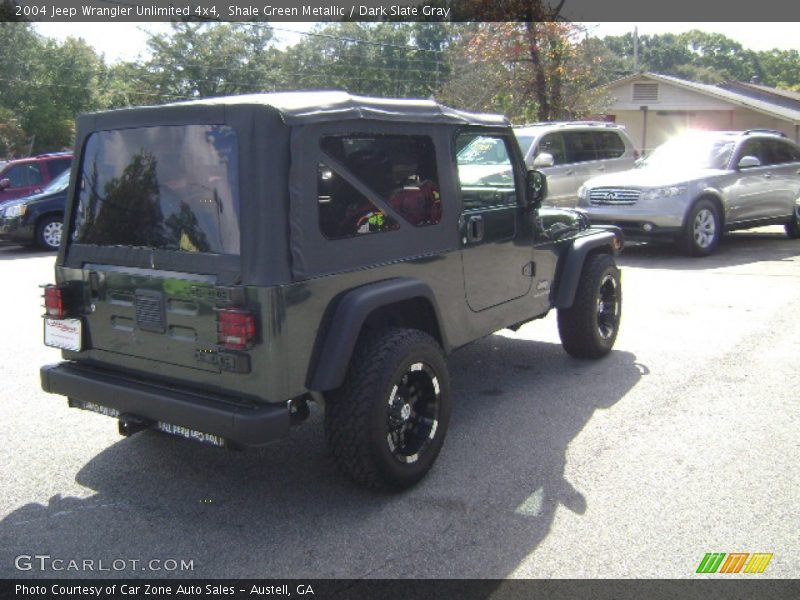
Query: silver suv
x=699, y=184
x=571, y=152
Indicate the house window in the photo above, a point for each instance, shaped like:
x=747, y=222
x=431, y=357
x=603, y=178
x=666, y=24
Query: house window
x=645, y=92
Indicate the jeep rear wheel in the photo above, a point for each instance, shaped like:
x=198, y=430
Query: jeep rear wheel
x=386, y=424
x=588, y=328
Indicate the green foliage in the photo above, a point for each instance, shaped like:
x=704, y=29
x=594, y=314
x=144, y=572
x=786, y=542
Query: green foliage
x=60, y=80
x=706, y=58
x=205, y=60
x=530, y=71
x=378, y=59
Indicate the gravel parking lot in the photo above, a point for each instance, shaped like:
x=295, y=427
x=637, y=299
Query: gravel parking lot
x=683, y=441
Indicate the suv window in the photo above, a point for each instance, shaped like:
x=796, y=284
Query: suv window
x=57, y=166
x=783, y=152
x=170, y=188
x=399, y=169
x=580, y=146
x=553, y=144
x=608, y=144
x=485, y=171
x=759, y=149
x=24, y=175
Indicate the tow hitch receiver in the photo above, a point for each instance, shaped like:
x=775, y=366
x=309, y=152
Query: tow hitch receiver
x=130, y=424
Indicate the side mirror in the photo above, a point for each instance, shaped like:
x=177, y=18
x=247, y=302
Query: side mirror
x=536, y=184
x=542, y=160
x=748, y=162
x=5, y=183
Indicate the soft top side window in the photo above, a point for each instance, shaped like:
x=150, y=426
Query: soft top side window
x=400, y=170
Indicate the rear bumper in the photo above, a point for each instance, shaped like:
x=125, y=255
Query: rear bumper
x=243, y=424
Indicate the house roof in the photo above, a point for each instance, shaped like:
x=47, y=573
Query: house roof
x=775, y=103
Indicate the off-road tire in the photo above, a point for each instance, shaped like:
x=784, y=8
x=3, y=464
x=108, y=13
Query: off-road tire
x=587, y=331
x=358, y=425
x=45, y=232
x=793, y=226
x=702, y=230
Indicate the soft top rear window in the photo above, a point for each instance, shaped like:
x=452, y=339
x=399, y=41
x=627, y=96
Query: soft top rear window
x=167, y=187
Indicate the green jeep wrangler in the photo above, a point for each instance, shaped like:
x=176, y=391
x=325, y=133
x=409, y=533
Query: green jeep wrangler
x=226, y=261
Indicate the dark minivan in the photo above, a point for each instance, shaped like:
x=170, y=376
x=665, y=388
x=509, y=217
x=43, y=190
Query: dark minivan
x=36, y=219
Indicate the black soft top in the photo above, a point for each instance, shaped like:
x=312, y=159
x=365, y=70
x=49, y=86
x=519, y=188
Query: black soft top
x=300, y=108
x=279, y=154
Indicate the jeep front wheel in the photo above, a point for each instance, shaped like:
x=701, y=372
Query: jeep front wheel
x=588, y=328
x=386, y=424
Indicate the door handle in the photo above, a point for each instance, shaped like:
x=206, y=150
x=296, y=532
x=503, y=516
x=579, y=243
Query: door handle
x=601, y=168
x=475, y=228
x=768, y=175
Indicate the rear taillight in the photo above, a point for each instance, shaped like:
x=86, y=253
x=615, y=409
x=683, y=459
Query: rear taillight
x=54, y=302
x=237, y=328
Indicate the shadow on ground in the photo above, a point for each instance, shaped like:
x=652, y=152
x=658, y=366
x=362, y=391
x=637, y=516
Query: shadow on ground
x=283, y=511
x=13, y=252
x=768, y=244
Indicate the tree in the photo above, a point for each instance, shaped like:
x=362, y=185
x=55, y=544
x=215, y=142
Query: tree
x=536, y=70
x=206, y=60
x=378, y=59
x=60, y=81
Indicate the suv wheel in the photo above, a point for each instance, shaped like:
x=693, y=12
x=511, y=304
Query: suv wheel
x=793, y=226
x=703, y=229
x=588, y=328
x=48, y=232
x=386, y=424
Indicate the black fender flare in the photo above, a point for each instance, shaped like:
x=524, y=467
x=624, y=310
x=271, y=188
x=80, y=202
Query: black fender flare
x=339, y=333
x=609, y=239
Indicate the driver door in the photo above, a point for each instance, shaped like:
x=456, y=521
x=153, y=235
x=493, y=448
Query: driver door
x=495, y=248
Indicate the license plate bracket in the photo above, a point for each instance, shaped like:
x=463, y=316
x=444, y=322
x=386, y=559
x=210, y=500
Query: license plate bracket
x=66, y=334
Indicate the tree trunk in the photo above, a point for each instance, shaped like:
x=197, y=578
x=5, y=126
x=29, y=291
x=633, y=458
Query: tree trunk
x=539, y=78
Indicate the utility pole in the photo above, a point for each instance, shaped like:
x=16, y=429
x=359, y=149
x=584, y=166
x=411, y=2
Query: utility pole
x=635, y=49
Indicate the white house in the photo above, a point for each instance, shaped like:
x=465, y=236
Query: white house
x=655, y=107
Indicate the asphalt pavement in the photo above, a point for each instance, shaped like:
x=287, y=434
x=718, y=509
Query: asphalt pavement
x=683, y=441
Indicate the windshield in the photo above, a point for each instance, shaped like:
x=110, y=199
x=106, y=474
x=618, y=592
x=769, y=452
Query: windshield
x=59, y=184
x=170, y=188
x=525, y=142
x=483, y=150
x=695, y=151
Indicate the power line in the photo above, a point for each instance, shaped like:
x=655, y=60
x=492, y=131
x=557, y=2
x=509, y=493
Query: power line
x=293, y=31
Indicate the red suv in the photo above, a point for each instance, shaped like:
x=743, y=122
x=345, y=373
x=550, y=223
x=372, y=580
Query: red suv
x=27, y=176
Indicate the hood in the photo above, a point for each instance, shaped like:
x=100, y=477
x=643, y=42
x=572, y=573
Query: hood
x=485, y=174
x=34, y=198
x=645, y=177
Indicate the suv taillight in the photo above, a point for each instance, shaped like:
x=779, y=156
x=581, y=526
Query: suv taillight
x=54, y=302
x=237, y=328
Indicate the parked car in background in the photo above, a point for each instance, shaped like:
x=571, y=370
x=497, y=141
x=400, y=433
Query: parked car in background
x=570, y=153
x=699, y=184
x=26, y=176
x=36, y=219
